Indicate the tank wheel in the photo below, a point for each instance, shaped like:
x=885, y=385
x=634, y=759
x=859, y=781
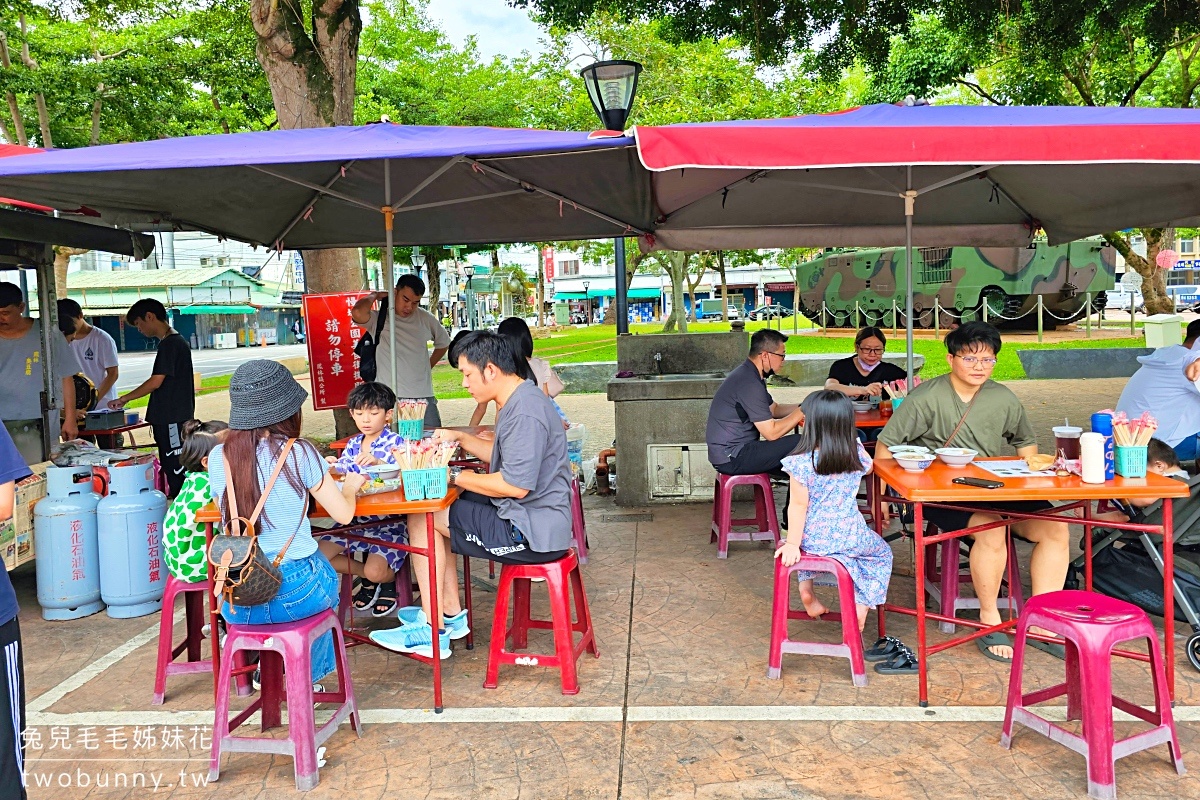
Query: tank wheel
x=1192, y=648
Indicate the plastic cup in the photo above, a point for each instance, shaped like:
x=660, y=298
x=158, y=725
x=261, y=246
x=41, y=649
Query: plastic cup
x=1066, y=441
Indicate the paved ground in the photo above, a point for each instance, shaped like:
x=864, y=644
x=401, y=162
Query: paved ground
x=677, y=706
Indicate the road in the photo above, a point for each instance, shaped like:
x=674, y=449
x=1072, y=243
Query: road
x=135, y=367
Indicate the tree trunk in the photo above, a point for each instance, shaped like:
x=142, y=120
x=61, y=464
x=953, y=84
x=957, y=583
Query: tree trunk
x=62, y=259
x=39, y=98
x=724, y=286
x=541, y=290
x=676, y=269
x=13, y=108
x=1154, y=280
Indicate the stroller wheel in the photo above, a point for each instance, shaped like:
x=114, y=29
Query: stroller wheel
x=1193, y=650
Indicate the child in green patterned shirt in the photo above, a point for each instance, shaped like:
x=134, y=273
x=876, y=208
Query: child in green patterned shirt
x=183, y=537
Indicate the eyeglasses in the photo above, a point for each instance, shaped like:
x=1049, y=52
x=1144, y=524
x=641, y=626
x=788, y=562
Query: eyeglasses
x=971, y=361
x=782, y=356
x=873, y=351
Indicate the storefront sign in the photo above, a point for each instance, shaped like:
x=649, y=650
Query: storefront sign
x=332, y=336
x=780, y=287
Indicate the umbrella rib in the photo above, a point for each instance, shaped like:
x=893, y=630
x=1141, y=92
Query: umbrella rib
x=458, y=200
x=962, y=176
x=316, y=187
x=312, y=201
x=420, y=186
x=556, y=196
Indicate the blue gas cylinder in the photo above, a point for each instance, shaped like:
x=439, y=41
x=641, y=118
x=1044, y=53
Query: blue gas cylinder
x=133, y=573
x=64, y=536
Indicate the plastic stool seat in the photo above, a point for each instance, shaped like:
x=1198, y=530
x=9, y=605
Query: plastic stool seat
x=1091, y=626
x=563, y=579
x=194, y=595
x=765, y=521
x=943, y=584
x=781, y=611
x=285, y=665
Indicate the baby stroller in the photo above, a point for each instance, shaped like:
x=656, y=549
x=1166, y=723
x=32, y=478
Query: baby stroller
x=1128, y=565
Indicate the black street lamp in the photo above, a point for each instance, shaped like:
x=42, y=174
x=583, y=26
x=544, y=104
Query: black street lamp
x=587, y=305
x=418, y=259
x=611, y=86
x=469, y=271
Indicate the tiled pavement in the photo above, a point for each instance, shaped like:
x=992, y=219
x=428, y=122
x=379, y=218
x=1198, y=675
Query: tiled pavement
x=678, y=704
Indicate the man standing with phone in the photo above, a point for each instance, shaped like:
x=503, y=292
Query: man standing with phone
x=966, y=408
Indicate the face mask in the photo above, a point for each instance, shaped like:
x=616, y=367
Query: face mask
x=767, y=370
x=868, y=367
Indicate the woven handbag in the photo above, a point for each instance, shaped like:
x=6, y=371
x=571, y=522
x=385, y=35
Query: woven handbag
x=243, y=574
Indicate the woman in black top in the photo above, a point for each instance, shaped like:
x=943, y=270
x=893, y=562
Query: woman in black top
x=864, y=373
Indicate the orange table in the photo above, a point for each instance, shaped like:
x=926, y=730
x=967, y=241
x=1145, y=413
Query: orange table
x=870, y=419
x=474, y=430
x=384, y=504
x=935, y=486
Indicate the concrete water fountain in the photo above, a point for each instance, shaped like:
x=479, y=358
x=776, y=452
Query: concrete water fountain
x=661, y=412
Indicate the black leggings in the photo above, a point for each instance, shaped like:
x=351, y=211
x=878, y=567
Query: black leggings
x=763, y=456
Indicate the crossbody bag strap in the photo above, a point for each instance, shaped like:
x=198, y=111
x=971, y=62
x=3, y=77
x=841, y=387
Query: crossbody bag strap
x=961, y=420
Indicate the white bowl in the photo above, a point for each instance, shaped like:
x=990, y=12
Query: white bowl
x=382, y=471
x=913, y=462
x=956, y=456
x=861, y=406
x=911, y=449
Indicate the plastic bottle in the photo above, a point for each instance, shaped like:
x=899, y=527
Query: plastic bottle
x=1102, y=424
x=1091, y=457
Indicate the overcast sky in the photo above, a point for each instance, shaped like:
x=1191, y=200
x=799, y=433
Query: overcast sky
x=499, y=29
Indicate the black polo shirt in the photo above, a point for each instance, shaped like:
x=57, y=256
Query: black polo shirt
x=844, y=372
x=741, y=401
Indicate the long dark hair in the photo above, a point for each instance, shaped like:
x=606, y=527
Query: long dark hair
x=241, y=463
x=829, y=432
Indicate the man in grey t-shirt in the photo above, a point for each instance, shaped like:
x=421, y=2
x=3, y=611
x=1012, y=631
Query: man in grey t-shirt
x=519, y=512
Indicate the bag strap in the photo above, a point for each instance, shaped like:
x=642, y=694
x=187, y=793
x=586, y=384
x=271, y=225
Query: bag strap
x=381, y=319
x=961, y=420
x=234, y=518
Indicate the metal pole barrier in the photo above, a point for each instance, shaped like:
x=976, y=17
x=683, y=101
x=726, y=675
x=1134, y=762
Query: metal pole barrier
x=1039, y=297
x=822, y=317
x=894, y=316
x=937, y=324
x=1132, y=332
x=983, y=302
x=857, y=318
x=1088, y=315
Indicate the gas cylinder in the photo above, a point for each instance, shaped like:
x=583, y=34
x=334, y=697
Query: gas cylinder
x=64, y=535
x=133, y=573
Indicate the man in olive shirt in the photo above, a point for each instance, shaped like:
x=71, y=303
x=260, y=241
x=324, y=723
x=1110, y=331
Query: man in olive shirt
x=966, y=408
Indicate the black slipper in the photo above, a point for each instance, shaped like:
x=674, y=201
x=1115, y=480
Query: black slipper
x=994, y=639
x=367, y=594
x=902, y=662
x=1053, y=648
x=883, y=649
x=385, y=601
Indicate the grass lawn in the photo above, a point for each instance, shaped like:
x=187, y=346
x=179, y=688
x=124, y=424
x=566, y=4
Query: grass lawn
x=213, y=383
x=598, y=343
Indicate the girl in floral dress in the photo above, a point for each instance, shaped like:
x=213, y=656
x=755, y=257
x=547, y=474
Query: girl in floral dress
x=823, y=515
x=183, y=537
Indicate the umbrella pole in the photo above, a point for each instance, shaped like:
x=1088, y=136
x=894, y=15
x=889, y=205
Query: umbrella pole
x=389, y=278
x=910, y=198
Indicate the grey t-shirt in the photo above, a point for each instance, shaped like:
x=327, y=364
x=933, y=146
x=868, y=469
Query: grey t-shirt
x=741, y=401
x=21, y=366
x=530, y=452
x=413, y=335
x=927, y=417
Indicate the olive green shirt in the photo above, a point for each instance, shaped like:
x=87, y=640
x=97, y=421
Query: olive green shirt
x=927, y=417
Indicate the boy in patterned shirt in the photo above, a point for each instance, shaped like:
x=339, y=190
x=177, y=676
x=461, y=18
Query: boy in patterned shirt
x=372, y=405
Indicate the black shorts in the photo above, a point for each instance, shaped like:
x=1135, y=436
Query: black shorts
x=950, y=520
x=477, y=531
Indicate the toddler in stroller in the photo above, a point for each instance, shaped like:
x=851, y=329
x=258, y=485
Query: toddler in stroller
x=1129, y=565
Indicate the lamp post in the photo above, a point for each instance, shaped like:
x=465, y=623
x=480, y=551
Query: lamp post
x=587, y=305
x=418, y=259
x=469, y=271
x=611, y=86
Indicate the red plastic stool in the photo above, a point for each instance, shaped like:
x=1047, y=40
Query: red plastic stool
x=578, y=526
x=515, y=581
x=1092, y=626
x=195, y=614
x=285, y=665
x=943, y=584
x=781, y=611
x=764, y=519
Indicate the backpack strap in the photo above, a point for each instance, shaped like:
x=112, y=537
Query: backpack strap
x=234, y=518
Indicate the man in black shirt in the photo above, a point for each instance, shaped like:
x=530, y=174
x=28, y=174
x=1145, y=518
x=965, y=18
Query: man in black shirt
x=172, y=392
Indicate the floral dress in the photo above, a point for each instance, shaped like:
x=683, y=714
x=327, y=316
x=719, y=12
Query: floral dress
x=183, y=537
x=835, y=528
x=389, y=529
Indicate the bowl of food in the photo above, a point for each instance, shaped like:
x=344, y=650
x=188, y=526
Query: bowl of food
x=861, y=406
x=911, y=449
x=913, y=462
x=382, y=472
x=956, y=456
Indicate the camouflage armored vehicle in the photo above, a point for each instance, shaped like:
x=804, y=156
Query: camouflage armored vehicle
x=963, y=279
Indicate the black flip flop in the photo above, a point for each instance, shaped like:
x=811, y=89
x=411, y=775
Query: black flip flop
x=994, y=639
x=883, y=649
x=902, y=662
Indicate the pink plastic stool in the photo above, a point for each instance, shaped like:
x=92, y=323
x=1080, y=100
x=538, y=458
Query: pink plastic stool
x=195, y=614
x=764, y=520
x=781, y=611
x=515, y=581
x=284, y=661
x=578, y=526
x=1092, y=626
x=943, y=584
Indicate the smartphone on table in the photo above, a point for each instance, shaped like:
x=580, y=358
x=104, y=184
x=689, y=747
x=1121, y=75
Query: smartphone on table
x=981, y=483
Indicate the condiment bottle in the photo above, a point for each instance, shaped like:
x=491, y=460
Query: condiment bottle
x=1102, y=424
x=1091, y=457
